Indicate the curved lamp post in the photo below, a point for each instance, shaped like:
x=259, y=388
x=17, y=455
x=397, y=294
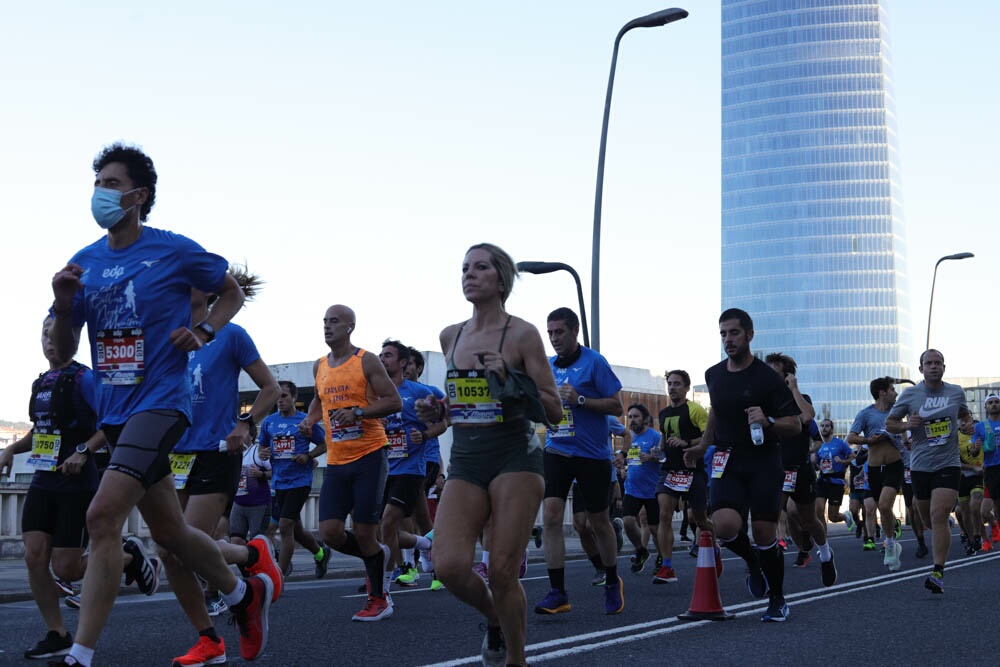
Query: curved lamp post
x=549, y=267
x=930, y=308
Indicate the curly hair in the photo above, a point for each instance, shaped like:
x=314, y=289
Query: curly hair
x=138, y=165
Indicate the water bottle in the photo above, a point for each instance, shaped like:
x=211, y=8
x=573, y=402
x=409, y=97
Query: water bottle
x=757, y=433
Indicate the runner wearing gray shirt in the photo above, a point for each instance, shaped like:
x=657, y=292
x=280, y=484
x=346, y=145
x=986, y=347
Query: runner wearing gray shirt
x=935, y=412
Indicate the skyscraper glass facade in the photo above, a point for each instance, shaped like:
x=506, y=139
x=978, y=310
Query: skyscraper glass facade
x=813, y=243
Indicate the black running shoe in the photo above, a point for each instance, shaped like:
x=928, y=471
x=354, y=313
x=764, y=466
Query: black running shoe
x=756, y=581
x=323, y=563
x=53, y=646
x=829, y=570
x=143, y=570
x=921, y=550
x=777, y=611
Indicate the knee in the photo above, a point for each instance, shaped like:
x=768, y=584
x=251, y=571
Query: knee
x=102, y=524
x=450, y=570
x=552, y=516
x=286, y=528
x=36, y=558
x=333, y=536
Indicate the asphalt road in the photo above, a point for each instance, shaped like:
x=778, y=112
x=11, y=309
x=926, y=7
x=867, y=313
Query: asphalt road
x=886, y=619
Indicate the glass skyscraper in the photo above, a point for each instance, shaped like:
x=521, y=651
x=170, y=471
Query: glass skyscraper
x=813, y=242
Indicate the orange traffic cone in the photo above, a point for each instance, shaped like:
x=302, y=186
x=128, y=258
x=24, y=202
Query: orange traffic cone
x=706, y=604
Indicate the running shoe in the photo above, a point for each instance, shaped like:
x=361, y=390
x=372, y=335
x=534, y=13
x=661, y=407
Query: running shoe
x=398, y=572
x=935, y=582
x=964, y=539
x=857, y=531
x=482, y=570
x=143, y=570
x=251, y=617
x=216, y=605
x=598, y=578
x=73, y=601
x=323, y=562
x=614, y=597
x=66, y=660
x=375, y=609
x=65, y=587
x=921, y=550
x=802, y=559
x=436, y=585
x=53, y=646
x=693, y=551
x=619, y=527
x=828, y=570
x=987, y=544
x=869, y=545
x=685, y=538
x=536, y=535
x=977, y=542
x=756, y=581
x=205, y=652
x=777, y=611
x=849, y=521
x=665, y=575
x=995, y=532
x=409, y=577
x=556, y=602
x=899, y=529
x=494, y=648
x=639, y=561
x=783, y=544
x=266, y=564
x=970, y=550
x=426, y=560
x=891, y=559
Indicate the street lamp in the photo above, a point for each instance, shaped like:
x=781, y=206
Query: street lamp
x=930, y=308
x=653, y=20
x=549, y=267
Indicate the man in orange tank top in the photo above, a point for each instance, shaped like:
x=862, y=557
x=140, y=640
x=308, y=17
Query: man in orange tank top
x=353, y=391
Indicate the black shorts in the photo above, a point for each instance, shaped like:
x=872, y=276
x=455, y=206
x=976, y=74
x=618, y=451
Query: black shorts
x=579, y=506
x=61, y=515
x=696, y=497
x=750, y=484
x=908, y=494
x=403, y=491
x=214, y=472
x=289, y=502
x=968, y=484
x=991, y=480
x=592, y=475
x=800, y=484
x=889, y=475
x=433, y=469
x=631, y=506
x=140, y=447
x=829, y=489
x=925, y=482
x=354, y=488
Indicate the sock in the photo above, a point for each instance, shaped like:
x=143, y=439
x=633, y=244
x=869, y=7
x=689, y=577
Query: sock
x=937, y=568
x=611, y=574
x=350, y=545
x=235, y=597
x=773, y=566
x=82, y=654
x=557, y=578
x=740, y=545
x=596, y=562
x=824, y=553
x=252, y=557
x=890, y=542
x=407, y=555
x=668, y=562
x=375, y=568
x=210, y=633
x=486, y=558
x=320, y=554
x=423, y=543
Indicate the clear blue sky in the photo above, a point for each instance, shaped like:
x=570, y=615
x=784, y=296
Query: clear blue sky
x=350, y=152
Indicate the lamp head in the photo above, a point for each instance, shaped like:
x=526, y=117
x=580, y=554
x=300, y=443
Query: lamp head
x=538, y=267
x=656, y=19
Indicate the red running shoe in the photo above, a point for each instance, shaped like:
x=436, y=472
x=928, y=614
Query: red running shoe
x=375, y=609
x=251, y=618
x=205, y=652
x=266, y=564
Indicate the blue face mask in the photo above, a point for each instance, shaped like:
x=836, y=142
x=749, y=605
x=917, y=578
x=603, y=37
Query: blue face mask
x=106, y=207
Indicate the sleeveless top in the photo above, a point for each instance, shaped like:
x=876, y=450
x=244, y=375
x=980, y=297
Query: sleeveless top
x=346, y=387
x=469, y=398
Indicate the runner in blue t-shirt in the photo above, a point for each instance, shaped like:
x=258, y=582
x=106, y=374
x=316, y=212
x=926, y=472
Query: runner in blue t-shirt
x=643, y=466
x=832, y=459
x=404, y=486
x=133, y=291
x=577, y=448
x=292, y=462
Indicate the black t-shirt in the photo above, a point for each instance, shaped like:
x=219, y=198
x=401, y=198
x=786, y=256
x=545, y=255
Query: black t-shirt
x=677, y=422
x=795, y=450
x=732, y=393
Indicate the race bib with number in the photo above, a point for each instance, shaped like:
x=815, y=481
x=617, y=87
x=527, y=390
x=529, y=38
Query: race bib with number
x=351, y=431
x=791, y=477
x=566, y=428
x=283, y=446
x=681, y=480
x=825, y=466
x=241, y=488
x=397, y=443
x=859, y=481
x=719, y=461
x=180, y=465
x=937, y=431
x=44, y=451
x=469, y=400
x=633, y=456
x=121, y=356
x=906, y=476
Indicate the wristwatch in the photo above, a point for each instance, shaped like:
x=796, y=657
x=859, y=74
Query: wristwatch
x=83, y=449
x=359, y=413
x=581, y=399
x=206, y=329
